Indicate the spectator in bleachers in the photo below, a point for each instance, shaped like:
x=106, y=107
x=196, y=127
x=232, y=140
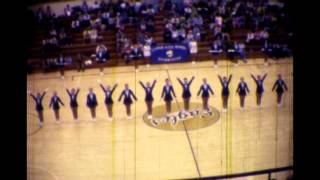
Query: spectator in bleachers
x=95, y=7
x=119, y=40
x=143, y=26
x=240, y=50
x=53, y=33
x=86, y=36
x=196, y=33
x=96, y=23
x=262, y=35
x=126, y=53
x=167, y=5
x=218, y=21
x=84, y=7
x=85, y=20
x=136, y=52
x=75, y=26
x=119, y=22
x=102, y=5
x=141, y=39
x=187, y=11
x=93, y=35
x=250, y=36
x=50, y=44
x=40, y=14
x=64, y=39
x=67, y=11
x=102, y=54
x=105, y=17
x=190, y=36
x=49, y=13
x=149, y=41
x=137, y=7
x=181, y=34
x=202, y=7
x=197, y=20
x=174, y=35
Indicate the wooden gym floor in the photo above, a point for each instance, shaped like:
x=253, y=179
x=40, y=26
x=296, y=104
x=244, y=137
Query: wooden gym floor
x=239, y=141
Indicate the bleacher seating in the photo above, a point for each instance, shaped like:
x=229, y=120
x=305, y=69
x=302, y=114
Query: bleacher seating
x=109, y=40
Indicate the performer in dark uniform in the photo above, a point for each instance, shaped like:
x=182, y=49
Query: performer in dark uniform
x=39, y=108
x=205, y=89
x=127, y=93
x=280, y=87
x=225, y=91
x=167, y=90
x=260, y=90
x=55, y=104
x=242, y=90
x=108, y=99
x=92, y=103
x=149, y=98
x=186, y=94
x=73, y=102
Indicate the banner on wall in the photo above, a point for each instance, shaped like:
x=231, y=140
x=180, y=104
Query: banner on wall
x=170, y=53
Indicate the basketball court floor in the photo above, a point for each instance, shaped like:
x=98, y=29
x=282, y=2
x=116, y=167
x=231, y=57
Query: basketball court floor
x=231, y=142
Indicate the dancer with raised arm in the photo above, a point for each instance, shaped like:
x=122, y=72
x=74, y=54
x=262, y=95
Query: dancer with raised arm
x=149, y=98
x=242, y=90
x=260, y=89
x=108, y=101
x=55, y=105
x=92, y=103
x=225, y=91
x=127, y=93
x=39, y=108
x=73, y=102
x=205, y=89
x=280, y=87
x=186, y=94
x=167, y=92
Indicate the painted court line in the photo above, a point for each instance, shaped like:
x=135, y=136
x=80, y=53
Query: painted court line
x=187, y=134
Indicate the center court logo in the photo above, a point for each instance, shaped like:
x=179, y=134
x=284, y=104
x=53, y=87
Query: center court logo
x=196, y=118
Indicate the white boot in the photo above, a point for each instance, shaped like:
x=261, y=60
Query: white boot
x=149, y=117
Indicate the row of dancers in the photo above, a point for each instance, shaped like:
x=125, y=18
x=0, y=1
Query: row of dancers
x=168, y=94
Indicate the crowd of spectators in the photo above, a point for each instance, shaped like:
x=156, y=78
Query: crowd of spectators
x=57, y=62
x=185, y=21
